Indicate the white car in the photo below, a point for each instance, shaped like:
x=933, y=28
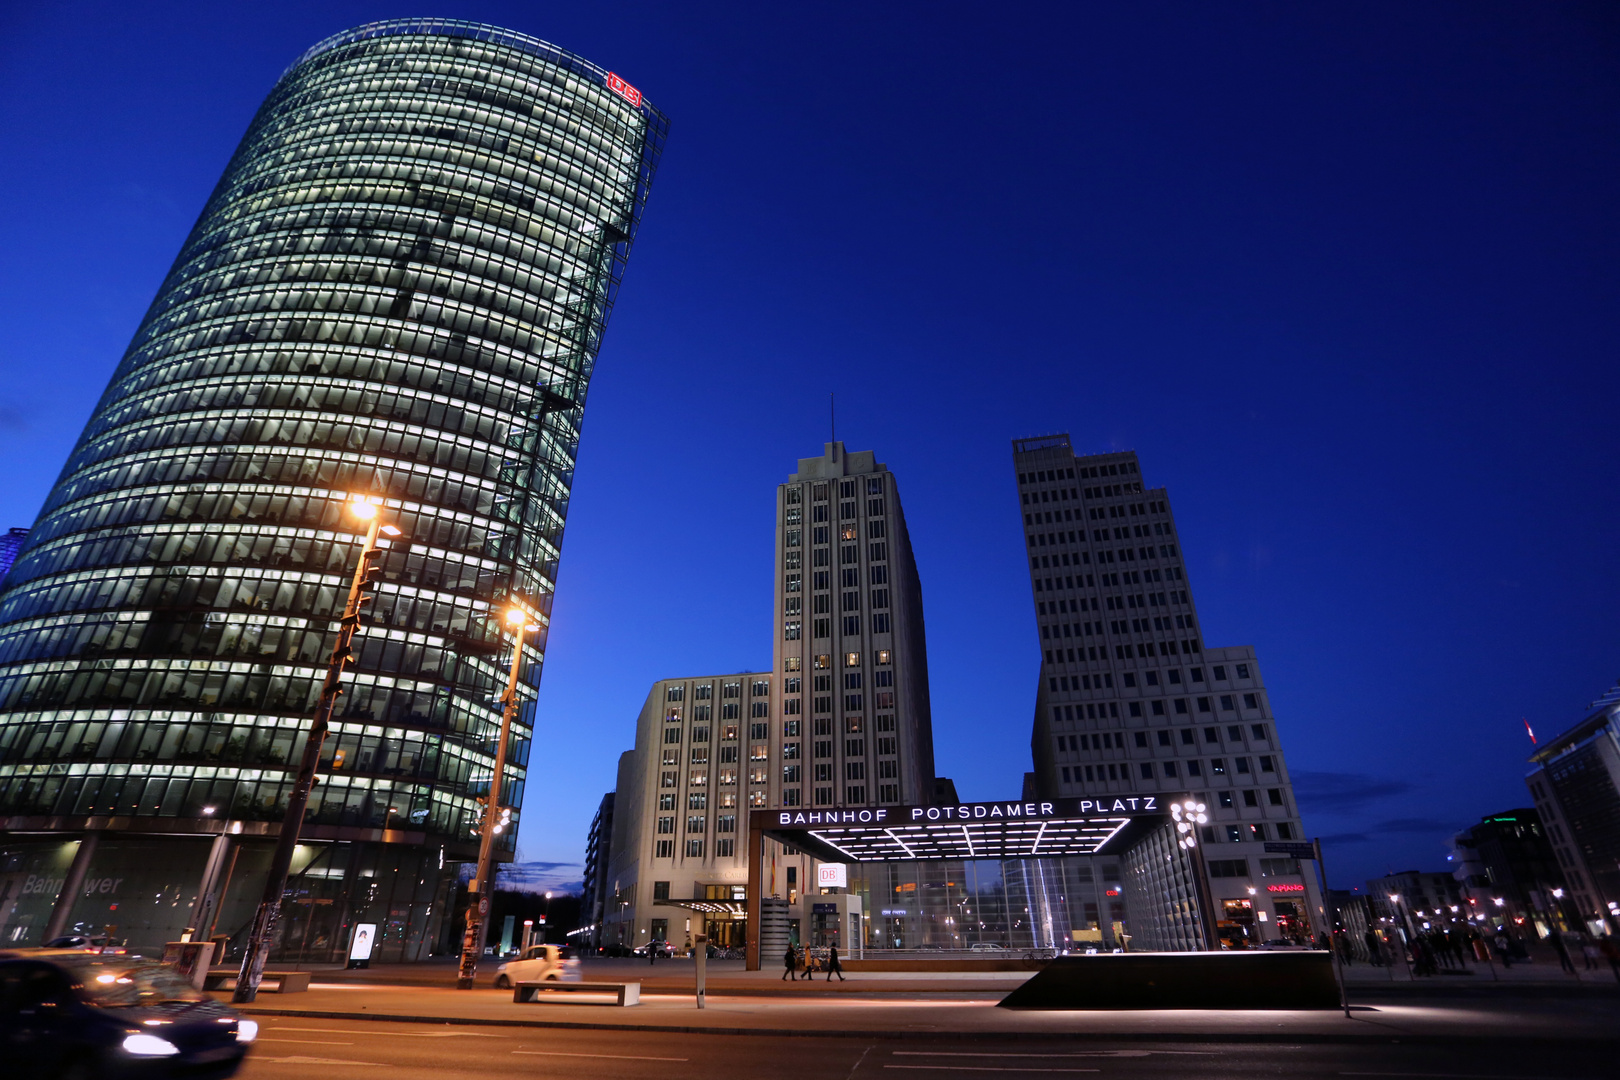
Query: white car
x=539, y=963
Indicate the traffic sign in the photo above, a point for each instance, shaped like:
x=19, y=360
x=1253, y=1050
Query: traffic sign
x=1298, y=851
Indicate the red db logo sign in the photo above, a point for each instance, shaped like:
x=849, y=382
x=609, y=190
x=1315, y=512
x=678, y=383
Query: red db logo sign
x=624, y=89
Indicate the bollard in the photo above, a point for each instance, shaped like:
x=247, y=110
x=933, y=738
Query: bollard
x=700, y=959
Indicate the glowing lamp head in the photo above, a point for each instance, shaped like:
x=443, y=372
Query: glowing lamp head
x=515, y=617
x=362, y=507
x=1394, y=898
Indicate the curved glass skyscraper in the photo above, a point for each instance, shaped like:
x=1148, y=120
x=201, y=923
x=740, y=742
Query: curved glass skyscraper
x=397, y=290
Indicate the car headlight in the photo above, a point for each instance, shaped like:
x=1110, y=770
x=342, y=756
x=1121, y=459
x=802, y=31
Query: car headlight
x=143, y=1045
x=247, y=1030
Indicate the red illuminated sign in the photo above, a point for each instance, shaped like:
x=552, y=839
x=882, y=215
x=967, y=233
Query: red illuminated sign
x=624, y=89
x=1285, y=888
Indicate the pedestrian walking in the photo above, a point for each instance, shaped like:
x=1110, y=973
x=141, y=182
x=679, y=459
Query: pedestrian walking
x=1563, y=952
x=1502, y=953
x=833, y=967
x=652, y=953
x=1591, y=954
x=790, y=961
x=1611, y=952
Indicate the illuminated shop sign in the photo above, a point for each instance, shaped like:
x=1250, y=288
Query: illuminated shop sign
x=1285, y=888
x=832, y=876
x=996, y=811
x=624, y=89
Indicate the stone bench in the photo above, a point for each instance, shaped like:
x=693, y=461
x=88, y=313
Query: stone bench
x=626, y=993
x=287, y=982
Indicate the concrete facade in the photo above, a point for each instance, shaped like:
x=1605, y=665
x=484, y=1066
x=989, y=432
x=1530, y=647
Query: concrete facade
x=850, y=646
x=1575, y=780
x=1130, y=698
x=680, y=810
x=843, y=720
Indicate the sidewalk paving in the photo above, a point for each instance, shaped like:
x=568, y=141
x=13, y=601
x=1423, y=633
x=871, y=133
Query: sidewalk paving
x=949, y=1013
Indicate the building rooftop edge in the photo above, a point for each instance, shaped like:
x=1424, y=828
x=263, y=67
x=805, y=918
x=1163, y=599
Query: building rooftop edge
x=1568, y=739
x=464, y=28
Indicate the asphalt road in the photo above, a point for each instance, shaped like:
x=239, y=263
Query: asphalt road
x=291, y=1047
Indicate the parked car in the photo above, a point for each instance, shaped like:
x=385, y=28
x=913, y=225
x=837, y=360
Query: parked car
x=986, y=946
x=662, y=948
x=539, y=963
x=77, y=1014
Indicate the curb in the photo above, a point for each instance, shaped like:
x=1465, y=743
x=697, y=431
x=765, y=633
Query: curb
x=1316, y=1038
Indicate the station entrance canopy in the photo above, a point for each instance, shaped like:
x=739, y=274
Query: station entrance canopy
x=1026, y=829
x=995, y=830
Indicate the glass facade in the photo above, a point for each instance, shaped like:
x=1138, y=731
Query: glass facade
x=1068, y=904
x=398, y=289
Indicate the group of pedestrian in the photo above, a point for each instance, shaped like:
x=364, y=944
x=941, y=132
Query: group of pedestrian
x=1453, y=948
x=1593, y=951
x=795, y=961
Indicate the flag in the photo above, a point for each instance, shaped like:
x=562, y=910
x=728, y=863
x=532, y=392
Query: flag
x=1532, y=734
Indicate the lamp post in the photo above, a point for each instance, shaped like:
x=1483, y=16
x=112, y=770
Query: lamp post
x=362, y=591
x=1406, y=937
x=479, y=891
x=1188, y=815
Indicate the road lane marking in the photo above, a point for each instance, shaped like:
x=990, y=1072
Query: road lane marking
x=394, y=1034
x=324, y=1061
x=612, y=1057
x=306, y=1042
x=1448, y=1076
x=990, y=1068
x=1075, y=1054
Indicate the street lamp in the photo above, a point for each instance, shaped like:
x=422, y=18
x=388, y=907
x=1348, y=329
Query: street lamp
x=1188, y=815
x=362, y=590
x=495, y=820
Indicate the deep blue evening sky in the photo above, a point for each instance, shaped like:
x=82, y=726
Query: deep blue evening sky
x=1344, y=275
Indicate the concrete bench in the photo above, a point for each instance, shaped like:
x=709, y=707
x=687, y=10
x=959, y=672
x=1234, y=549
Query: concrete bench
x=287, y=982
x=627, y=993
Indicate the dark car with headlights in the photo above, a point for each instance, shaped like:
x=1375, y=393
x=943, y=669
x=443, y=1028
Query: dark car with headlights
x=85, y=1016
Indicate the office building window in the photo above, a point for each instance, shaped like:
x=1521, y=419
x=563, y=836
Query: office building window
x=694, y=848
x=664, y=849
x=855, y=793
